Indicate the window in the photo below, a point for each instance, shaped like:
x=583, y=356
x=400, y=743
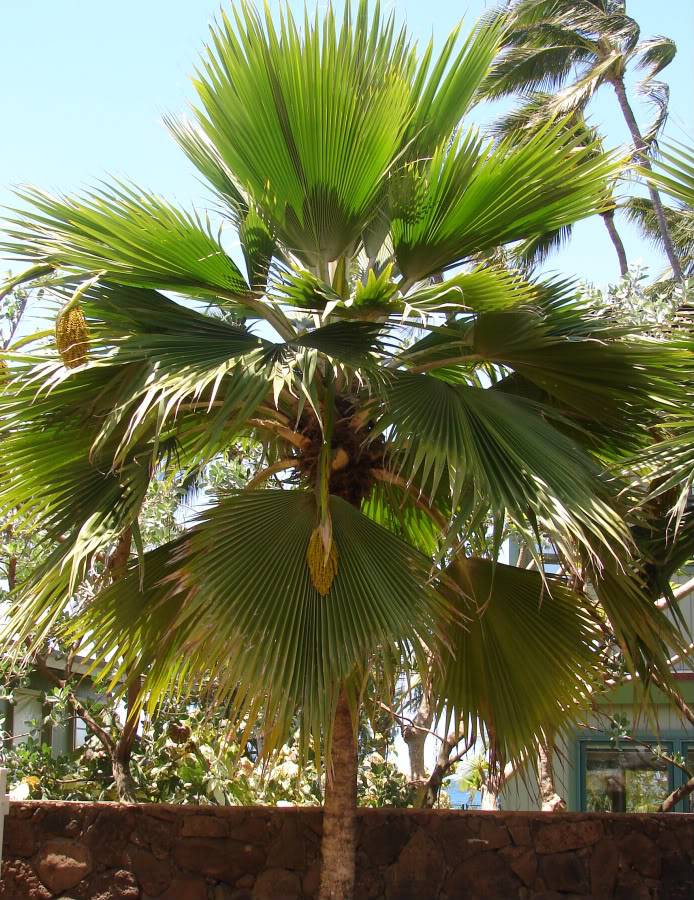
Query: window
x=689, y=756
x=79, y=733
x=625, y=779
x=27, y=717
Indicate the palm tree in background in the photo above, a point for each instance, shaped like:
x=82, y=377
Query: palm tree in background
x=530, y=118
x=673, y=457
x=412, y=406
x=573, y=47
x=639, y=210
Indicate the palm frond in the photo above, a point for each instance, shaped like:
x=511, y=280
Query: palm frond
x=486, y=287
x=309, y=123
x=655, y=54
x=205, y=157
x=488, y=444
x=594, y=367
x=680, y=222
x=658, y=94
x=646, y=636
x=132, y=237
x=240, y=579
x=524, y=659
x=443, y=93
x=471, y=198
x=537, y=250
x=674, y=172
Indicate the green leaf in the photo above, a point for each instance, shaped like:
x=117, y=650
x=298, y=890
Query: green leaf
x=443, y=93
x=471, y=198
x=204, y=155
x=308, y=121
x=504, y=452
x=135, y=238
x=524, y=659
x=233, y=600
x=674, y=172
x=481, y=289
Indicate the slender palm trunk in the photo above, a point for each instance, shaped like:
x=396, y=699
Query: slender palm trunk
x=489, y=798
x=339, y=843
x=415, y=735
x=549, y=797
x=608, y=219
x=641, y=150
x=122, y=750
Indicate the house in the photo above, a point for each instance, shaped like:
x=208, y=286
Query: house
x=25, y=708
x=595, y=773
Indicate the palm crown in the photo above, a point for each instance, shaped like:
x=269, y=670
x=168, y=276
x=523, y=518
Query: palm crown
x=576, y=46
x=572, y=48
x=408, y=401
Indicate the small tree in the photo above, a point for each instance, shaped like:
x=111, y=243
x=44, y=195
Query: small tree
x=406, y=399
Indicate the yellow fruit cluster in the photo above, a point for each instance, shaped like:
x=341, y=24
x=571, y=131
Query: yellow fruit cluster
x=323, y=568
x=72, y=336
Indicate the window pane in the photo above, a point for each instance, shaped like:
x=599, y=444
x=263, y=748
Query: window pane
x=80, y=733
x=628, y=780
x=689, y=802
x=28, y=718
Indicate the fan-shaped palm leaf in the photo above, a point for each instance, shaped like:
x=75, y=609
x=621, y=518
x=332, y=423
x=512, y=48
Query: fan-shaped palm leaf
x=240, y=580
x=469, y=199
x=521, y=632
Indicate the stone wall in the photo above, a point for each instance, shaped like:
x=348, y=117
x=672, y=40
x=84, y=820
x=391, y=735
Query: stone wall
x=105, y=851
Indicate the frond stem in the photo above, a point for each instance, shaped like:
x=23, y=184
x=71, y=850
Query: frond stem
x=264, y=474
x=293, y=437
x=421, y=500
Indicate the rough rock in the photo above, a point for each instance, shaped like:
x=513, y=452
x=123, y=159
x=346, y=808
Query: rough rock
x=277, y=884
x=555, y=837
x=185, y=889
x=418, y=870
x=564, y=872
x=204, y=827
x=62, y=863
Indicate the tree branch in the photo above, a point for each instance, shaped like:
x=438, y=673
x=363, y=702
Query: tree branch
x=94, y=726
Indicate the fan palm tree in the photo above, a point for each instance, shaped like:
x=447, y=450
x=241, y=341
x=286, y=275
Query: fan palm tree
x=402, y=411
x=575, y=47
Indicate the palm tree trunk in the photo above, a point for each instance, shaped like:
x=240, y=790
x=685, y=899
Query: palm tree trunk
x=415, y=733
x=550, y=799
x=489, y=798
x=641, y=151
x=339, y=842
x=122, y=751
x=608, y=219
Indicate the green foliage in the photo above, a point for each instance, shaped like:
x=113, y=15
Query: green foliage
x=192, y=756
x=635, y=302
x=340, y=157
x=569, y=48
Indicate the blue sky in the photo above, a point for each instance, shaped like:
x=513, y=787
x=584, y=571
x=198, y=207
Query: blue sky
x=85, y=85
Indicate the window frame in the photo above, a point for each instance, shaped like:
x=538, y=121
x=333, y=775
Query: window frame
x=674, y=741
x=73, y=745
x=687, y=744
